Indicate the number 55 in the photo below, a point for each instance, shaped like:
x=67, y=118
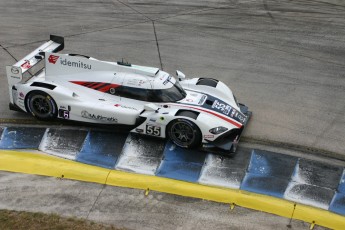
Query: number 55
x=153, y=130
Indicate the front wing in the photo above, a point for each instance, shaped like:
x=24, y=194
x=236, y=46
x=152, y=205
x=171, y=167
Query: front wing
x=227, y=143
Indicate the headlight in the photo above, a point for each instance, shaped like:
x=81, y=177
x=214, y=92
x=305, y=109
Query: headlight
x=218, y=130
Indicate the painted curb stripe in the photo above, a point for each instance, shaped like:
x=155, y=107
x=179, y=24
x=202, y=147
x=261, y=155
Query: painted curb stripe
x=45, y=165
x=40, y=164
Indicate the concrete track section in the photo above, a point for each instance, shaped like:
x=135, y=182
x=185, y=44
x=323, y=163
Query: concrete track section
x=290, y=186
x=130, y=208
x=284, y=59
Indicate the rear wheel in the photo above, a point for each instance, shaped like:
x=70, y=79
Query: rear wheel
x=184, y=133
x=41, y=105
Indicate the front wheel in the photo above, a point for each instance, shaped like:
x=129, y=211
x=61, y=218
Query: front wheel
x=184, y=133
x=41, y=105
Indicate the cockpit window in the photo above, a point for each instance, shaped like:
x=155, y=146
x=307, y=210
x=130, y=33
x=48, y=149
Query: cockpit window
x=132, y=93
x=175, y=93
x=172, y=94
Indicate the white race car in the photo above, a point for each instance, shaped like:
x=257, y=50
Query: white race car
x=197, y=112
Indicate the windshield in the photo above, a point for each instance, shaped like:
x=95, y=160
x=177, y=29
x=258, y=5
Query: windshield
x=175, y=93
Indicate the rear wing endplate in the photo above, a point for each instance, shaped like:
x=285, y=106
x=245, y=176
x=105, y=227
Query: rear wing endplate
x=15, y=72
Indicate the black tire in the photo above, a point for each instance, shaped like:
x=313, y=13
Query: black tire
x=41, y=105
x=184, y=133
x=208, y=82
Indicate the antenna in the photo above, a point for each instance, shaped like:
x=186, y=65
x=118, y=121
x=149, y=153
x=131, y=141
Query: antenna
x=122, y=62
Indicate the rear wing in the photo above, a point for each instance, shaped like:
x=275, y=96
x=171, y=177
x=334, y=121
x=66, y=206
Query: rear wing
x=16, y=72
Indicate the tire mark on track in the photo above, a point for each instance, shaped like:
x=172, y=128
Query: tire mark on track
x=248, y=42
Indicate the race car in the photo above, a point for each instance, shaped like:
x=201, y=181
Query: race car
x=192, y=113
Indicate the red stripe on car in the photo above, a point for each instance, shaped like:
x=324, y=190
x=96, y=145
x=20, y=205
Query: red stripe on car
x=99, y=86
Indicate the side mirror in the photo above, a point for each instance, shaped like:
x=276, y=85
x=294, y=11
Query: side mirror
x=180, y=75
x=151, y=107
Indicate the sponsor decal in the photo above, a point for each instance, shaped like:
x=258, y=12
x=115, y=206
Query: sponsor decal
x=21, y=95
x=202, y=100
x=135, y=82
x=14, y=70
x=233, y=113
x=189, y=100
x=124, y=106
x=241, y=118
x=21, y=103
x=16, y=77
x=208, y=136
x=88, y=115
x=139, y=130
x=53, y=58
x=152, y=120
x=75, y=64
x=63, y=113
x=224, y=108
x=26, y=65
x=167, y=80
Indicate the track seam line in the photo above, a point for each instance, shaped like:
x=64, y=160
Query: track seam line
x=99, y=194
x=157, y=44
x=154, y=30
x=193, y=12
x=8, y=52
x=94, y=203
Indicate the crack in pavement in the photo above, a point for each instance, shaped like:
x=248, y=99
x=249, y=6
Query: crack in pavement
x=8, y=52
x=137, y=11
x=159, y=53
x=154, y=30
x=268, y=10
x=94, y=203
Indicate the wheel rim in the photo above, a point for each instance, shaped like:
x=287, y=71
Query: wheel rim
x=182, y=133
x=40, y=106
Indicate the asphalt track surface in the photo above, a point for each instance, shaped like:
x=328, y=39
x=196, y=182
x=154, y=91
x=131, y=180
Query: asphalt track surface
x=284, y=59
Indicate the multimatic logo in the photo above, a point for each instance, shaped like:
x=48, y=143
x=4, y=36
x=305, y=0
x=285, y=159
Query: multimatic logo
x=88, y=115
x=76, y=64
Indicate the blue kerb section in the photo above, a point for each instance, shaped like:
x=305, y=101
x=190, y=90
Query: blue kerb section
x=102, y=148
x=268, y=173
x=181, y=164
x=338, y=202
x=341, y=187
x=21, y=138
